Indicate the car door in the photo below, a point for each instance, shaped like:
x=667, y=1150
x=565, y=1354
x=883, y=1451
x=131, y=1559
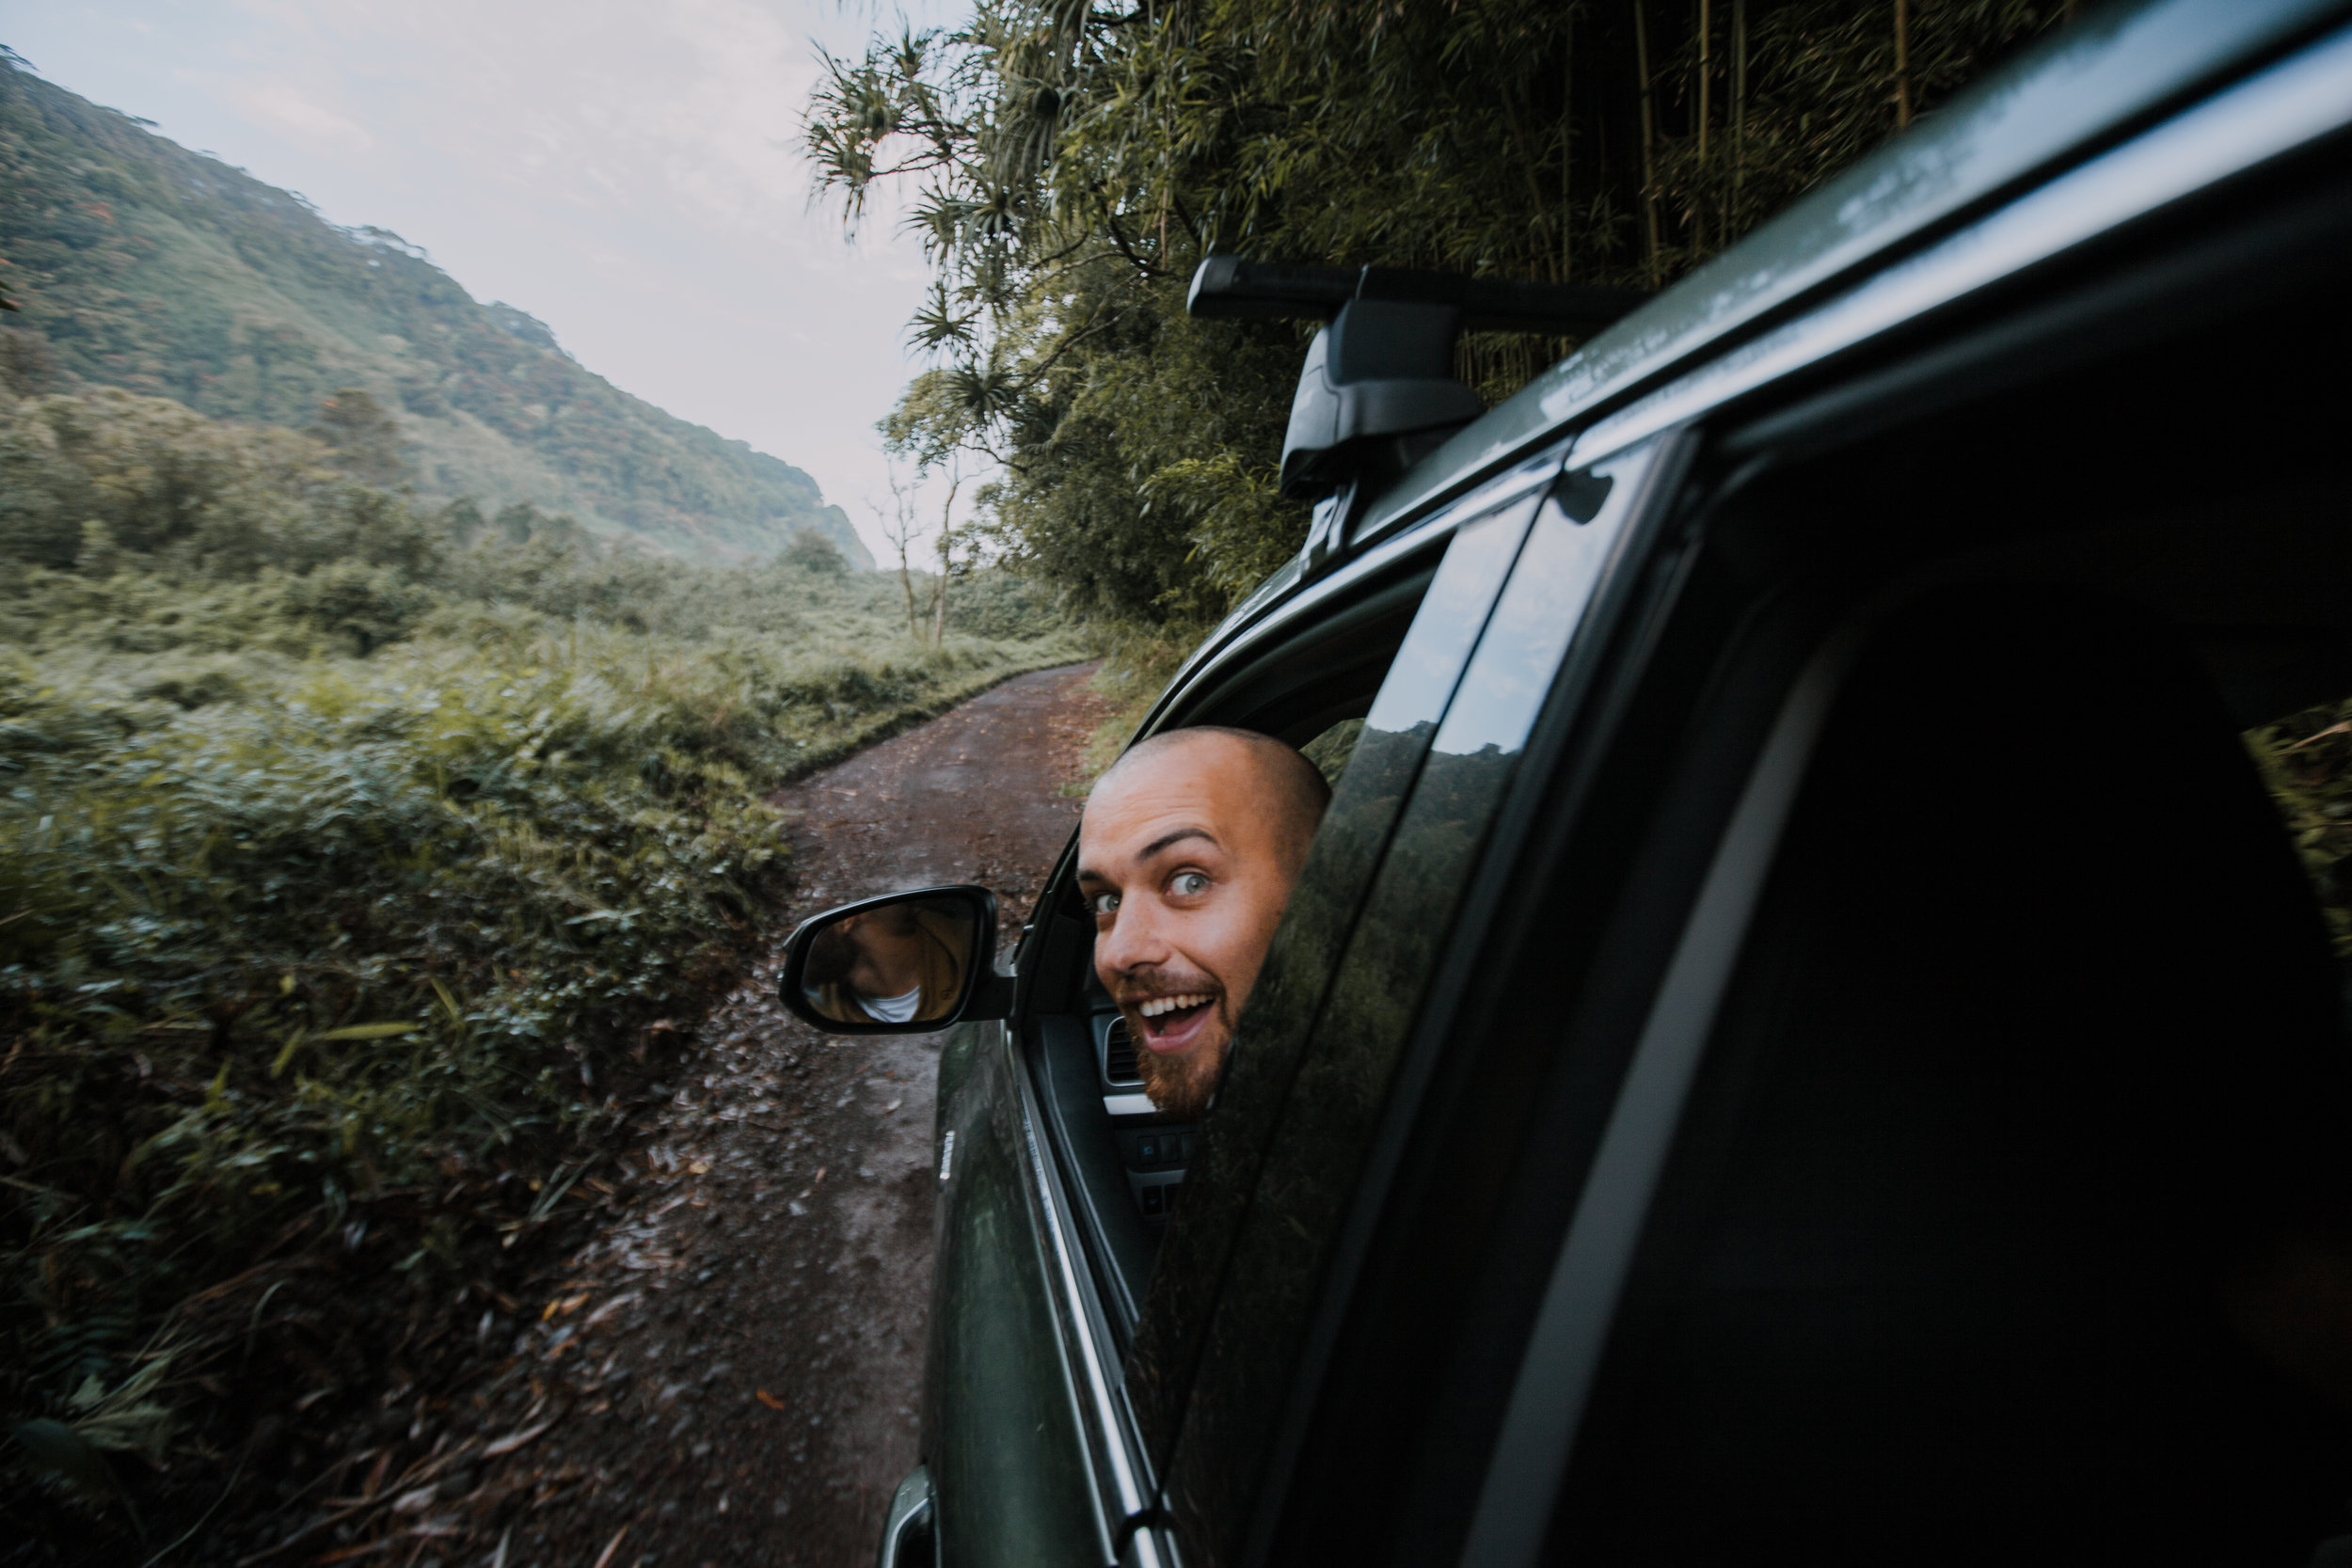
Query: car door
x=1049, y=1410
x=1231, y=1325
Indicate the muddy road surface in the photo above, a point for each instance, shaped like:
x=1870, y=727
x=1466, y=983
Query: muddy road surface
x=728, y=1371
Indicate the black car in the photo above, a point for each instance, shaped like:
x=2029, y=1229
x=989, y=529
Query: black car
x=1803, y=1037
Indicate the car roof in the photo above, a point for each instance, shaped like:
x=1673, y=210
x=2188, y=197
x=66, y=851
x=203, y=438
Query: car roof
x=2080, y=91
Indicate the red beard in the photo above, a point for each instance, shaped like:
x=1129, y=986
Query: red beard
x=1183, y=1086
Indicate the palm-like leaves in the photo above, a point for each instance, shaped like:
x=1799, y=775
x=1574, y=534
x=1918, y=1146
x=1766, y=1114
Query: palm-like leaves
x=1077, y=162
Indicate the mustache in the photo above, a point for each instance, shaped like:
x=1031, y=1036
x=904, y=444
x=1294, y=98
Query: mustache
x=1145, y=985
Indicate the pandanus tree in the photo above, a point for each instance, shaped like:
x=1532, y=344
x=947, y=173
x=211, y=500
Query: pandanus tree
x=1068, y=164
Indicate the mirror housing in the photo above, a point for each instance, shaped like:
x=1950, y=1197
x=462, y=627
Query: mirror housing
x=939, y=943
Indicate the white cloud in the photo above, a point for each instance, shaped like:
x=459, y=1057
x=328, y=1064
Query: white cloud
x=282, y=106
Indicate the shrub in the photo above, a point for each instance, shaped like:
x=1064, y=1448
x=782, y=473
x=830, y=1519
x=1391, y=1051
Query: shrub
x=343, y=862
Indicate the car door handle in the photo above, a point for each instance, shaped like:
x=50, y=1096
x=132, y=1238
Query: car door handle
x=907, y=1538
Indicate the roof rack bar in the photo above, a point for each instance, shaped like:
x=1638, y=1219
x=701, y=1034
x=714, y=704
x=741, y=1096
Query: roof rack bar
x=1229, y=286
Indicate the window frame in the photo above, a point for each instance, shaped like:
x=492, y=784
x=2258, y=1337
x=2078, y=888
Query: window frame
x=1245, y=678
x=1613, y=602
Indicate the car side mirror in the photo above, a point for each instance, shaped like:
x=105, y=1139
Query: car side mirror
x=906, y=963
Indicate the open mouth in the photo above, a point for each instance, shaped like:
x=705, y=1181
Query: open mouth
x=1170, y=1022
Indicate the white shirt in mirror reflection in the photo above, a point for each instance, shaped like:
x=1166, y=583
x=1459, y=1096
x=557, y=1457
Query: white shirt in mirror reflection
x=892, y=1009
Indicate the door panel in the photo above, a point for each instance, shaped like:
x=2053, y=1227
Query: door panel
x=1002, y=1438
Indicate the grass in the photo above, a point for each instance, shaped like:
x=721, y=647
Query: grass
x=351, y=872
x=1136, y=670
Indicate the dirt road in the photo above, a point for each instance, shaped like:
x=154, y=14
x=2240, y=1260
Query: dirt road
x=729, y=1371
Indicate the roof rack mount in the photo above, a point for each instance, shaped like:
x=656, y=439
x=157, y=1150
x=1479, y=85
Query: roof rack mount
x=1378, y=390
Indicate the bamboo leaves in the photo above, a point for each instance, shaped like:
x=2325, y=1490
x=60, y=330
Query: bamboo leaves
x=1072, y=165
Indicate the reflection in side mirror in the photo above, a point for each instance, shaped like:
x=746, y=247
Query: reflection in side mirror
x=903, y=964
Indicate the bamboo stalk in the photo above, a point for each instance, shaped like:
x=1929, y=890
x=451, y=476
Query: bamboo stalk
x=1703, y=206
x=946, y=544
x=1903, y=63
x=1739, y=91
x=1706, y=29
x=1568, y=143
x=1649, y=167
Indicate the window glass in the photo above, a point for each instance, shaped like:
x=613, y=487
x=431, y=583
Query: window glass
x=1130, y=1164
x=1451, y=773
x=1331, y=750
x=1383, y=756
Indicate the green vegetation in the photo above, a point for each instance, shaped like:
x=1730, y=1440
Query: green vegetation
x=138, y=264
x=2307, y=761
x=1071, y=166
x=353, y=859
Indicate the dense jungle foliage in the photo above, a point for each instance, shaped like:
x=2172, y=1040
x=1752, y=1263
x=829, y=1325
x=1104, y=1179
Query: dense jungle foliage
x=1071, y=164
x=136, y=263
x=354, y=857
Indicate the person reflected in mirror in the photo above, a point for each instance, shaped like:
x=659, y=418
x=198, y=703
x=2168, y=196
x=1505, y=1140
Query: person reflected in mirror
x=1186, y=853
x=902, y=963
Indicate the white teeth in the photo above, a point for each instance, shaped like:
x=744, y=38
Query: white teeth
x=1159, y=1005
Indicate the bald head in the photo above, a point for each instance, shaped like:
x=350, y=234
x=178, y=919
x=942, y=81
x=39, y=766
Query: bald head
x=1186, y=855
x=1279, y=780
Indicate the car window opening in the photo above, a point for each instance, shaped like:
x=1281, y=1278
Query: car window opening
x=1400, y=648
x=1132, y=1159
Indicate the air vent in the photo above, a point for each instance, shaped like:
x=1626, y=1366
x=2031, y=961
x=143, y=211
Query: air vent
x=1118, y=1055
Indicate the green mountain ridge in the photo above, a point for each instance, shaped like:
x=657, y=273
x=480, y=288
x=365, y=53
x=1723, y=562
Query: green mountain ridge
x=137, y=264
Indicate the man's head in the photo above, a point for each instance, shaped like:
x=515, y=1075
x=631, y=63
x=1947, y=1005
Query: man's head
x=879, y=953
x=1186, y=855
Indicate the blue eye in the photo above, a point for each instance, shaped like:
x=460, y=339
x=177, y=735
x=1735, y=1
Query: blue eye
x=1188, y=884
x=1103, y=903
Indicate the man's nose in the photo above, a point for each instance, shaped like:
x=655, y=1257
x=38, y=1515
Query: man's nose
x=1133, y=943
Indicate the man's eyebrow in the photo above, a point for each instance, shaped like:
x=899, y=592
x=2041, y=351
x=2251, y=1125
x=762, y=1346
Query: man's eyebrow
x=1177, y=838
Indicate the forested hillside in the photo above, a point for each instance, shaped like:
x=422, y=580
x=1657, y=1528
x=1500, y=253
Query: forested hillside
x=358, y=860
x=139, y=264
x=1071, y=166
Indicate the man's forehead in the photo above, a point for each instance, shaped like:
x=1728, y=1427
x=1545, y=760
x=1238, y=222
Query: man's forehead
x=1187, y=791
x=1132, y=828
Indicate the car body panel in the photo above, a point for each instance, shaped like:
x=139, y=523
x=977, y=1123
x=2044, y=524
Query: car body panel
x=1001, y=1437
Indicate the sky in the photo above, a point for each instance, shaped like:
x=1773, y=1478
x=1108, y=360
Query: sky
x=626, y=170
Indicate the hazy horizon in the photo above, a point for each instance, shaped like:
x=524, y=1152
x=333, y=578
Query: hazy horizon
x=576, y=163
